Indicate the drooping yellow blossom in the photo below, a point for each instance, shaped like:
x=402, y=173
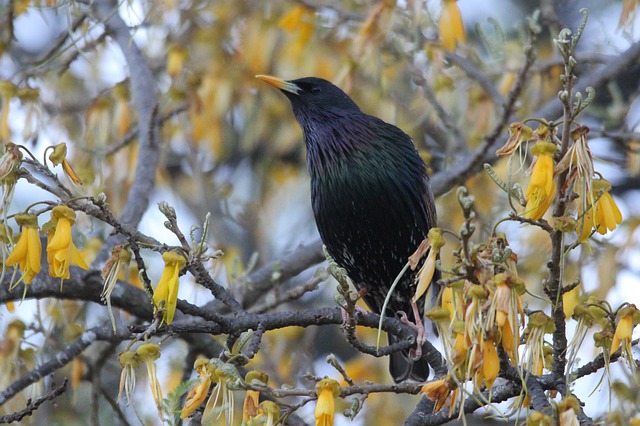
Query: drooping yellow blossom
x=534, y=355
x=518, y=133
x=176, y=56
x=251, y=400
x=578, y=162
x=59, y=156
x=328, y=390
x=436, y=241
x=28, y=250
x=129, y=362
x=509, y=338
x=120, y=258
x=542, y=187
x=588, y=313
x=269, y=412
x=7, y=92
x=199, y=391
x=10, y=349
x=226, y=377
x=148, y=353
x=299, y=19
x=604, y=217
x=447, y=301
x=61, y=251
x=167, y=289
x=450, y=27
x=459, y=349
x=77, y=369
x=438, y=391
x=568, y=410
x=490, y=363
x=628, y=317
x=473, y=312
x=10, y=161
x=505, y=307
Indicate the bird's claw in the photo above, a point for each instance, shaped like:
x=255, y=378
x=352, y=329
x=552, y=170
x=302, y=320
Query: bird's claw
x=418, y=326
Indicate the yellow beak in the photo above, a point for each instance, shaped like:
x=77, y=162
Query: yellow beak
x=281, y=84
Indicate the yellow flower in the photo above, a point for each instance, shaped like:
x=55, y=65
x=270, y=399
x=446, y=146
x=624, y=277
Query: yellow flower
x=604, y=217
x=148, y=353
x=61, y=251
x=568, y=410
x=10, y=161
x=542, y=187
x=250, y=407
x=437, y=391
x=167, y=289
x=198, y=392
x=450, y=27
x=129, y=363
x=110, y=273
x=28, y=250
x=539, y=325
x=459, y=349
x=226, y=378
x=10, y=352
x=490, y=363
x=300, y=19
x=436, y=241
x=77, y=369
x=271, y=411
x=628, y=318
x=505, y=307
x=328, y=390
x=176, y=57
x=518, y=133
x=510, y=335
x=8, y=90
x=59, y=156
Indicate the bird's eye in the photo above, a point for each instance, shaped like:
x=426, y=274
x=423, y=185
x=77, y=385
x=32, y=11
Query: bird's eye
x=315, y=89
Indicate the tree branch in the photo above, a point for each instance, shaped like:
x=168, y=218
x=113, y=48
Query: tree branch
x=33, y=405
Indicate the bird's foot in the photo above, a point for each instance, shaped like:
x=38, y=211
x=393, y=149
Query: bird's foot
x=418, y=326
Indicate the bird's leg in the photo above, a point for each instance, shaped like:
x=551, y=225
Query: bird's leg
x=418, y=326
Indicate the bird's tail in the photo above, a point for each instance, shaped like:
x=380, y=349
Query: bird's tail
x=403, y=368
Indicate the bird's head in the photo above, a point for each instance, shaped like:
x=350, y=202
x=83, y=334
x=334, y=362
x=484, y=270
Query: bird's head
x=312, y=96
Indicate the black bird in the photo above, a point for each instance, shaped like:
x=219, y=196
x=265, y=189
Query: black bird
x=370, y=195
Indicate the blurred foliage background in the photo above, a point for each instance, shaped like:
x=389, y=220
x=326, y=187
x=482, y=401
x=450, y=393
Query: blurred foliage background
x=230, y=146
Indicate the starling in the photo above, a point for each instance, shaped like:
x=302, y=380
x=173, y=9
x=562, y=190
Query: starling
x=371, y=199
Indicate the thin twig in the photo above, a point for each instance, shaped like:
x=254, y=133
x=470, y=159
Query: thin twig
x=33, y=405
